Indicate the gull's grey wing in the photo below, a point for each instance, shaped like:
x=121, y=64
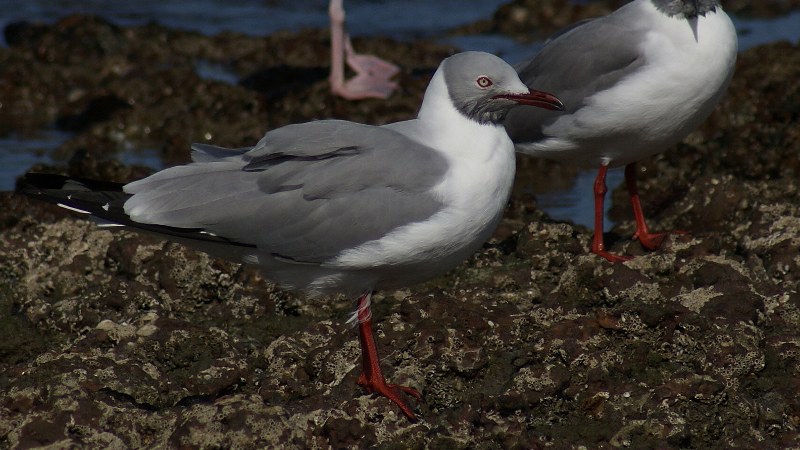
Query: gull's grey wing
x=588, y=58
x=559, y=33
x=305, y=192
x=318, y=138
x=210, y=153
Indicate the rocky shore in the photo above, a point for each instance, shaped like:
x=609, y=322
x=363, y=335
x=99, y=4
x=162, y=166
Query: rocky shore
x=119, y=340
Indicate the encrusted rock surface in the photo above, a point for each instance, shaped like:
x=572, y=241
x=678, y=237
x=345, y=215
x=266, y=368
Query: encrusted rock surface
x=119, y=340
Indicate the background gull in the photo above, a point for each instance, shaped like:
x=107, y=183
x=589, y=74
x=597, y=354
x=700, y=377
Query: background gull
x=634, y=83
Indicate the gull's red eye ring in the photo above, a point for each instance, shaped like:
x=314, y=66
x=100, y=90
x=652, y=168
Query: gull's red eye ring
x=483, y=82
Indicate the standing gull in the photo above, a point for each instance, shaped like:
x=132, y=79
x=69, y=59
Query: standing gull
x=339, y=207
x=634, y=83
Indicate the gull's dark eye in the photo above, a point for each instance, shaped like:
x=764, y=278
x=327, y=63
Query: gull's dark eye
x=483, y=82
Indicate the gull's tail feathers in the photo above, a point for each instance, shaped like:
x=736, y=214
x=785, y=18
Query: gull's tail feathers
x=103, y=202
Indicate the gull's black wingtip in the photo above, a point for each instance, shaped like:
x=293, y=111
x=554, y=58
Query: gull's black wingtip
x=78, y=194
x=33, y=183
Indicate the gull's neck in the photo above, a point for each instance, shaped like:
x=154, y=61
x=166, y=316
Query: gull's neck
x=463, y=141
x=436, y=104
x=447, y=128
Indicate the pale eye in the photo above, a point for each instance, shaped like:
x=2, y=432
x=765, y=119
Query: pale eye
x=483, y=82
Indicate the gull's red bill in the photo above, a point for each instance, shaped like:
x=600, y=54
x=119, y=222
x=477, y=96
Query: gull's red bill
x=535, y=98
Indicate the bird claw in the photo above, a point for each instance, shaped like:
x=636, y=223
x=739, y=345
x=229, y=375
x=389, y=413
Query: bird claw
x=364, y=86
x=371, y=79
x=371, y=65
x=392, y=392
x=612, y=257
x=652, y=241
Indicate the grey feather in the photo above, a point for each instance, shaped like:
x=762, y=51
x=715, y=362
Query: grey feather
x=209, y=153
x=317, y=138
x=554, y=69
x=305, y=192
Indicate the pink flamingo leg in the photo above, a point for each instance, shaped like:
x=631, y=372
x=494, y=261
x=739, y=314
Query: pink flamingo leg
x=372, y=73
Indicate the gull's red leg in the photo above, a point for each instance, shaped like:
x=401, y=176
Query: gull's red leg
x=650, y=241
x=598, y=246
x=371, y=377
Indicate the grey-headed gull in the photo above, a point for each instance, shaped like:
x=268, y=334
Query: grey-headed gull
x=372, y=79
x=634, y=83
x=338, y=207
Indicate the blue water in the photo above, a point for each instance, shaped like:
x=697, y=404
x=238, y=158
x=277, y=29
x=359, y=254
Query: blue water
x=399, y=19
x=20, y=151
